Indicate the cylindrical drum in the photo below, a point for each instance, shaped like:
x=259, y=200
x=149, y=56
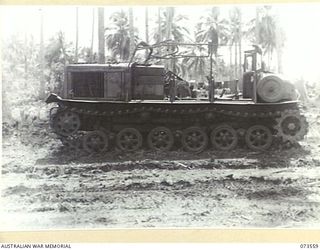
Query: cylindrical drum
x=271, y=88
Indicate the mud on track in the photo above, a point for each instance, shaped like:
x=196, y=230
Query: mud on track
x=44, y=188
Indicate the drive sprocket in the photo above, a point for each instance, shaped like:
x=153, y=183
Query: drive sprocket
x=291, y=126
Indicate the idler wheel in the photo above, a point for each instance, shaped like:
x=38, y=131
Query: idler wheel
x=95, y=142
x=224, y=137
x=194, y=139
x=129, y=139
x=258, y=137
x=160, y=138
x=66, y=123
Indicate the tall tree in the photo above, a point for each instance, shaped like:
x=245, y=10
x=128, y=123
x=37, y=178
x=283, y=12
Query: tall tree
x=263, y=29
x=92, y=36
x=131, y=31
x=41, y=55
x=171, y=26
x=176, y=31
x=280, y=41
x=240, y=43
x=146, y=16
x=235, y=37
x=101, y=56
x=118, y=38
x=77, y=34
x=58, y=53
x=159, y=25
x=212, y=28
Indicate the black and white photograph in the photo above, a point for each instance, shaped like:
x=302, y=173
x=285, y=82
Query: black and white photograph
x=160, y=117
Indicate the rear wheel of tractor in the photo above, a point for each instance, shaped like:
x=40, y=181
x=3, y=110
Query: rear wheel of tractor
x=129, y=139
x=194, y=139
x=161, y=139
x=258, y=137
x=224, y=137
x=95, y=142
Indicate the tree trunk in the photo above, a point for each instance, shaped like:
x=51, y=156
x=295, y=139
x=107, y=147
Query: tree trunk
x=235, y=59
x=231, y=69
x=169, y=16
x=147, y=28
x=131, y=32
x=159, y=25
x=279, y=44
x=257, y=26
x=41, y=54
x=101, y=45
x=169, y=22
x=240, y=44
x=77, y=34
x=25, y=60
x=92, y=37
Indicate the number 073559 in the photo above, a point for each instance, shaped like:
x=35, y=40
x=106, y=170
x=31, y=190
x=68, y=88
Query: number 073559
x=313, y=246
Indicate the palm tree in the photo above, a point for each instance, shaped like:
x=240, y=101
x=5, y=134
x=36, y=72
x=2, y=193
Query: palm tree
x=280, y=41
x=118, y=36
x=210, y=29
x=264, y=29
x=92, y=36
x=235, y=37
x=131, y=31
x=159, y=39
x=147, y=27
x=101, y=57
x=171, y=26
x=198, y=66
x=42, y=61
x=77, y=34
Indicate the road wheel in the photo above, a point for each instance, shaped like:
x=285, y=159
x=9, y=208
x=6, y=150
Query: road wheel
x=129, y=139
x=194, y=139
x=160, y=138
x=95, y=142
x=66, y=123
x=258, y=137
x=224, y=137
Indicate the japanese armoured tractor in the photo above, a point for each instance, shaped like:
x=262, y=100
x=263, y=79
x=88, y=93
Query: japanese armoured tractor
x=131, y=106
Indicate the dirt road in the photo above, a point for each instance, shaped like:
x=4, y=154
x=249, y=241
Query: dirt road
x=43, y=188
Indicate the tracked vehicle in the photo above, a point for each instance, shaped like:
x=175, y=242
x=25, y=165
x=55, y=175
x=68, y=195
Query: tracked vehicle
x=130, y=106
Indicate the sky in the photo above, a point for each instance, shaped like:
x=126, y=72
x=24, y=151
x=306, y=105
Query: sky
x=300, y=22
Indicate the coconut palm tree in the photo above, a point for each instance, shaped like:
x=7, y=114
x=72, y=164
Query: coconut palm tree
x=92, y=36
x=171, y=26
x=118, y=36
x=263, y=29
x=42, y=61
x=77, y=34
x=211, y=28
x=235, y=37
x=147, y=24
x=131, y=31
x=101, y=38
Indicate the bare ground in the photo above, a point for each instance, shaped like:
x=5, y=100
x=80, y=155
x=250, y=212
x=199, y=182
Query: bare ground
x=43, y=187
